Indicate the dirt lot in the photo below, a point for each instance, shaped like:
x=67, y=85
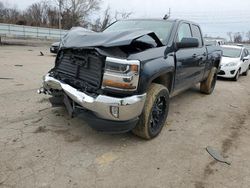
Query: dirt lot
x=43, y=147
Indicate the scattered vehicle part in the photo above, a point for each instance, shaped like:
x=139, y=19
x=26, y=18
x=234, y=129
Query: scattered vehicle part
x=2, y=78
x=216, y=155
x=41, y=53
x=122, y=78
x=18, y=65
x=235, y=62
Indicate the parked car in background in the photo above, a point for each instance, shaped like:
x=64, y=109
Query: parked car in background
x=235, y=62
x=55, y=47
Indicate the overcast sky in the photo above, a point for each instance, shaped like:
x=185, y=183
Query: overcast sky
x=216, y=17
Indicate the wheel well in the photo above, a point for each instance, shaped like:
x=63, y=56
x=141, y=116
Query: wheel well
x=165, y=80
x=217, y=63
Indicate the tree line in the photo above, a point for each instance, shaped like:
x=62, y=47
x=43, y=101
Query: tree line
x=71, y=13
x=238, y=37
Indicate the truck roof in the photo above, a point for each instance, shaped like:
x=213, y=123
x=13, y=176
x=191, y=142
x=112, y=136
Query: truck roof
x=160, y=19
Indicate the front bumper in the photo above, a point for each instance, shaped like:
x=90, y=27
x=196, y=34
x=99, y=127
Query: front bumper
x=129, y=107
x=228, y=72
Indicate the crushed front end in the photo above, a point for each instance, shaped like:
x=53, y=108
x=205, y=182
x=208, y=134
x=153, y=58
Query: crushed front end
x=92, y=86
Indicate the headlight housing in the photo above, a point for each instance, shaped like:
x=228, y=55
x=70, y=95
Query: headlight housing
x=232, y=64
x=121, y=74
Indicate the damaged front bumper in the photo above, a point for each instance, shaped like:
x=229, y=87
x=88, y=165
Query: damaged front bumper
x=102, y=106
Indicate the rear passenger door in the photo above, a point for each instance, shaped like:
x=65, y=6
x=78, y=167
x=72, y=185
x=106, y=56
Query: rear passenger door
x=189, y=61
x=200, y=53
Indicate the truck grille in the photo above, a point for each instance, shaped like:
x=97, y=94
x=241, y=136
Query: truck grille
x=82, y=69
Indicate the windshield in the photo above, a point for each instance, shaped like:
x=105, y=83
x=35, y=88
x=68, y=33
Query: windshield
x=231, y=52
x=160, y=28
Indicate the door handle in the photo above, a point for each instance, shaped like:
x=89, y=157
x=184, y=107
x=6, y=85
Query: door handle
x=194, y=55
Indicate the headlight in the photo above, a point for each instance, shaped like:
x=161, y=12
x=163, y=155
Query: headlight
x=121, y=74
x=232, y=64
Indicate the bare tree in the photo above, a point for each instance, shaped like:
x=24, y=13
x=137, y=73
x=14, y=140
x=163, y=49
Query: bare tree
x=36, y=14
x=10, y=15
x=248, y=36
x=53, y=17
x=107, y=18
x=122, y=15
x=237, y=37
x=77, y=12
x=102, y=22
x=73, y=13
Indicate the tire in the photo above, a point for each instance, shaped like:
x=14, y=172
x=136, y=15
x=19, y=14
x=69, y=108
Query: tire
x=207, y=86
x=154, y=114
x=245, y=73
x=236, y=78
x=56, y=99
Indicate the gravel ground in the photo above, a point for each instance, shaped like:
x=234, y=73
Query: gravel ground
x=41, y=146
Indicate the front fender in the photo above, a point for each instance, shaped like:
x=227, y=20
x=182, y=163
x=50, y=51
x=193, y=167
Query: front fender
x=153, y=69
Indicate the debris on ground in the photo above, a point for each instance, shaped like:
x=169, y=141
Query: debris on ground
x=41, y=129
x=2, y=78
x=41, y=53
x=216, y=155
x=18, y=65
x=233, y=106
x=37, y=120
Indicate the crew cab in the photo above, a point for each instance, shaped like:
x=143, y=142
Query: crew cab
x=234, y=62
x=122, y=79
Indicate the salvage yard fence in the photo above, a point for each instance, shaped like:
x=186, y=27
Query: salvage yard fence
x=21, y=31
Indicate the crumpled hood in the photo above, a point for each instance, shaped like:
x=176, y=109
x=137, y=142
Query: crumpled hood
x=226, y=60
x=80, y=39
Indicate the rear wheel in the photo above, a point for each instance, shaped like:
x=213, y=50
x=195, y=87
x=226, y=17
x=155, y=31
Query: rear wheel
x=236, y=78
x=154, y=113
x=208, y=85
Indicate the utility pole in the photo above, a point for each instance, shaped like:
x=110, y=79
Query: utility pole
x=59, y=16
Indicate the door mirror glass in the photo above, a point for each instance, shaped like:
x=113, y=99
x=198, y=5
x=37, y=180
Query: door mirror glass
x=188, y=43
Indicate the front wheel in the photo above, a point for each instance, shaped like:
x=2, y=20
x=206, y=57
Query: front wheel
x=208, y=85
x=154, y=113
x=236, y=78
x=245, y=73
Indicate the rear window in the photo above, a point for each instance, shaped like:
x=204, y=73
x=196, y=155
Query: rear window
x=197, y=34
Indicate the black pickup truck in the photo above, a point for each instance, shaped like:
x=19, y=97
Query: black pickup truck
x=122, y=79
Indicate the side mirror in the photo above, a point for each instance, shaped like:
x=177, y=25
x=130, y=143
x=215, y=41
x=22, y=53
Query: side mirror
x=188, y=43
x=246, y=58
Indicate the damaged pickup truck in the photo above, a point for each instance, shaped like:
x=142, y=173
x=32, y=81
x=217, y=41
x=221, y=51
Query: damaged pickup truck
x=122, y=78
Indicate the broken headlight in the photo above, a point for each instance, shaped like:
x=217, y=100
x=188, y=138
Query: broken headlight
x=121, y=74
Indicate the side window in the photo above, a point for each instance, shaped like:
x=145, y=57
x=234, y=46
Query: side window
x=246, y=53
x=197, y=34
x=183, y=32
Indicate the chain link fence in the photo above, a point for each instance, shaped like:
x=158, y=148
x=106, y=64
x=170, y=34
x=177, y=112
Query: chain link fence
x=29, y=32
